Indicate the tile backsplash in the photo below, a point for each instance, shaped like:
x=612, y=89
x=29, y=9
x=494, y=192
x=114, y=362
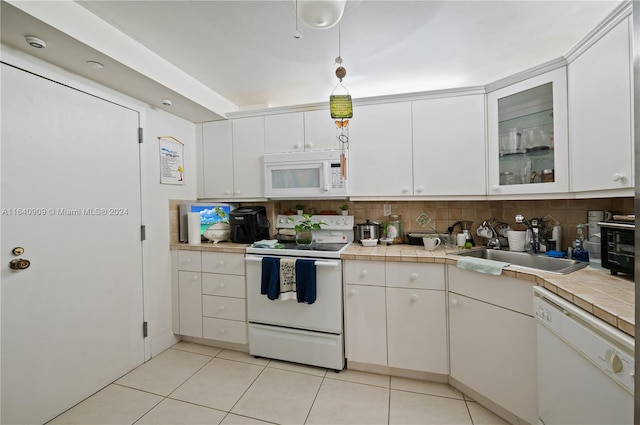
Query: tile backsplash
x=569, y=212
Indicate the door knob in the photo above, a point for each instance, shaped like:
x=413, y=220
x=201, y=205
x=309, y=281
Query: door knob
x=19, y=264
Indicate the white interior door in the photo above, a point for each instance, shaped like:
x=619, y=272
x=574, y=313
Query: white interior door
x=72, y=321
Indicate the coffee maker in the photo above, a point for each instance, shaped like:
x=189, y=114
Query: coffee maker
x=465, y=229
x=249, y=224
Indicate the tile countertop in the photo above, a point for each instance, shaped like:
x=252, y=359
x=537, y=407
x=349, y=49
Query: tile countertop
x=237, y=248
x=608, y=297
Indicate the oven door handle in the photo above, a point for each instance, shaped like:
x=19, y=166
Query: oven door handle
x=333, y=264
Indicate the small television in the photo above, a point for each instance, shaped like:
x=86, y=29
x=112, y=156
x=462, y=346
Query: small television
x=208, y=216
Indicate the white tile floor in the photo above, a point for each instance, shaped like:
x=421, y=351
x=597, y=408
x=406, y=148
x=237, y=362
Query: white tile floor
x=195, y=384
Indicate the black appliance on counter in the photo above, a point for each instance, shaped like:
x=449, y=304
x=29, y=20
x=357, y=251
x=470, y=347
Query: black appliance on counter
x=618, y=246
x=249, y=224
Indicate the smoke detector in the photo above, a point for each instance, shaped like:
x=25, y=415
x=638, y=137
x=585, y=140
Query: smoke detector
x=36, y=42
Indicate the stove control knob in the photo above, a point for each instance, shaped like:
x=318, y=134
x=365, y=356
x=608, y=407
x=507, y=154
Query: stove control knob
x=614, y=362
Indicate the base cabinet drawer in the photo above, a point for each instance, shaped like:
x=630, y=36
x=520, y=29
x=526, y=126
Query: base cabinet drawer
x=224, y=330
x=223, y=307
x=225, y=285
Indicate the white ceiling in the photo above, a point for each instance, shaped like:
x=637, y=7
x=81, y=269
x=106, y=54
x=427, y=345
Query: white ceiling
x=245, y=50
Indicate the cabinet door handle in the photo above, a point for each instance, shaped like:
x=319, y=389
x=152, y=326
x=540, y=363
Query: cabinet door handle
x=221, y=286
x=221, y=262
x=405, y=189
x=221, y=308
x=195, y=277
x=297, y=146
x=454, y=302
x=618, y=177
x=419, y=189
x=413, y=276
x=308, y=145
x=188, y=260
x=364, y=273
x=495, y=188
x=237, y=192
x=414, y=297
x=352, y=292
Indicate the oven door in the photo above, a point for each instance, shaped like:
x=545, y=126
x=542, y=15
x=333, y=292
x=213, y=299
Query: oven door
x=324, y=315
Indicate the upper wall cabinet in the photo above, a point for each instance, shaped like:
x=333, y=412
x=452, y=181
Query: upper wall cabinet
x=527, y=136
x=299, y=131
x=320, y=132
x=248, y=157
x=284, y=132
x=217, y=160
x=380, y=150
x=232, y=159
x=600, y=107
x=448, y=140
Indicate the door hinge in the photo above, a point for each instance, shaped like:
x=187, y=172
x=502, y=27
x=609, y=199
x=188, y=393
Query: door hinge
x=140, y=135
x=143, y=232
x=145, y=330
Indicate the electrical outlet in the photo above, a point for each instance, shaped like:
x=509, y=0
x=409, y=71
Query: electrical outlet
x=386, y=209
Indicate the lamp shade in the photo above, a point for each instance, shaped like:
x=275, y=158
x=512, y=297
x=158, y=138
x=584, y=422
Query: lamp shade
x=321, y=14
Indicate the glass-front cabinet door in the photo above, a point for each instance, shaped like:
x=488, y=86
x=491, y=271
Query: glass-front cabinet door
x=527, y=132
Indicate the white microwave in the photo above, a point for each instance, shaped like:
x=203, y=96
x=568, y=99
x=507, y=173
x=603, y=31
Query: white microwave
x=305, y=175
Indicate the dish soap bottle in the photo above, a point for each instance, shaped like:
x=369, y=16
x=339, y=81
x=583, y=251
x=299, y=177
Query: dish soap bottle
x=579, y=253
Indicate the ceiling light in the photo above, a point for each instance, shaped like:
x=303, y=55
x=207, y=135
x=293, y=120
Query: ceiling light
x=321, y=14
x=35, y=42
x=95, y=65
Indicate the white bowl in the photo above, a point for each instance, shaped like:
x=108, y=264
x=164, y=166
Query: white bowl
x=369, y=242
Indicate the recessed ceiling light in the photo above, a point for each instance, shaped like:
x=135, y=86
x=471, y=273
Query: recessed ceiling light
x=95, y=65
x=36, y=42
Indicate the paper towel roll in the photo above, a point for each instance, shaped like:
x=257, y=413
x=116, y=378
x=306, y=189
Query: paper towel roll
x=193, y=225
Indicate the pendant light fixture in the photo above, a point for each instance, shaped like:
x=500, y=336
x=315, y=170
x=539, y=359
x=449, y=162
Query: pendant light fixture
x=320, y=14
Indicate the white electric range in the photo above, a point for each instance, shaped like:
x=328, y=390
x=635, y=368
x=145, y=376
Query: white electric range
x=294, y=331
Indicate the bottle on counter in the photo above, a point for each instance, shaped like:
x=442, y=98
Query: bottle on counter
x=394, y=229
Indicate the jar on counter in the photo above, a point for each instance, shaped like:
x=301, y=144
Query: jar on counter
x=394, y=229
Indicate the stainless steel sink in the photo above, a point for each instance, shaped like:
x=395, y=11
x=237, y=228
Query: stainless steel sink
x=524, y=259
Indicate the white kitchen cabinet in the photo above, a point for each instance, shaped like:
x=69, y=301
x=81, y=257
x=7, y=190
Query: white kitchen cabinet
x=190, y=303
x=492, y=336
x=402, y=325
x=365, y=312
x=248, y=157
x=217, y=159
x=300, y=131
x=232, y=158
x=320, y=131
x=365, y=324
x=380, y=150
x=284, y=133
x=600, y=108
x=528, y=136
x=449, y=146
x=212, y=296
x=417, y=329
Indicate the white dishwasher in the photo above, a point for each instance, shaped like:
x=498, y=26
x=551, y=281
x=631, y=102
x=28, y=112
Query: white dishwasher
x=585, y=366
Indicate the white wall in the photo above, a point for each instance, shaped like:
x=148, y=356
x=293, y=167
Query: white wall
x=155, y=197
x=155, y=211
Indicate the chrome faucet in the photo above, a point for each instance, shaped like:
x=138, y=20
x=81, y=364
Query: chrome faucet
x=493, y=242
x=533, y=226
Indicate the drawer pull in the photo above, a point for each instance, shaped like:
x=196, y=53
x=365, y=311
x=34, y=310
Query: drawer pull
x=413, y=276
x=414, y=297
